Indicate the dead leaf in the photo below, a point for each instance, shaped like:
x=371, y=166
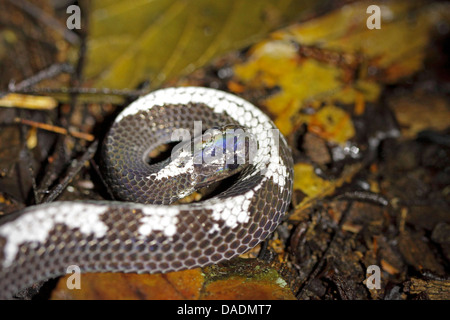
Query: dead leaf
x=112, y=286
x=244, y=279
x=346, y=63
x=420, y=112
x=28, y=101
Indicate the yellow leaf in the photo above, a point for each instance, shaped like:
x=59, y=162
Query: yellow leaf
x=307, y=181
x=332, y=124
x=347, y=63
x=28, y=101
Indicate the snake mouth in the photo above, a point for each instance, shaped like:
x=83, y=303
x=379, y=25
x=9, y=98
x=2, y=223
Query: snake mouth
x=212, y=190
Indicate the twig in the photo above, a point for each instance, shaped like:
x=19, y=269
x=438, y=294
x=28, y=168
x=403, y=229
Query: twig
x=47, y=19
x=76, y=77
x=104, y=91
x=56, y=129
x=73, y=170
x=48, y=73
x=365, y=196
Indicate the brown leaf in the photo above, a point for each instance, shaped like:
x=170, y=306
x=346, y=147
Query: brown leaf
x=245, y=279
x=113, y=286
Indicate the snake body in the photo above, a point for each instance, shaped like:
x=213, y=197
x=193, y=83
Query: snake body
x=144, y=234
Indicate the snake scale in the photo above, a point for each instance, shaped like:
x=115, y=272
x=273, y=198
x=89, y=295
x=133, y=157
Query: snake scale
x=144, y=234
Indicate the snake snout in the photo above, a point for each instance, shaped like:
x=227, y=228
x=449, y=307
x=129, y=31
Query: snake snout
x=221, y=152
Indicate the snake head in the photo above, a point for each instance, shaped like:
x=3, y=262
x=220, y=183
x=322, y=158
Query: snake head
x=222, y=152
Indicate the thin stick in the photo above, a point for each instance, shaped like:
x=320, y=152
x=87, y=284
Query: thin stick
x=48, y=73
x=73, y=170
x=56, y=129
x=47, y=19
x=103, y=91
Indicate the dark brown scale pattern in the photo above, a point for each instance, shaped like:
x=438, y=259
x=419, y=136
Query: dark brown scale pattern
x=199, y=239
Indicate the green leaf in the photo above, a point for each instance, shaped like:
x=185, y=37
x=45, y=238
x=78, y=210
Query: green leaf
x=156, y=40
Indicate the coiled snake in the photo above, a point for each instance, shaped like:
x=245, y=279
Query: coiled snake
x=145, y=235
